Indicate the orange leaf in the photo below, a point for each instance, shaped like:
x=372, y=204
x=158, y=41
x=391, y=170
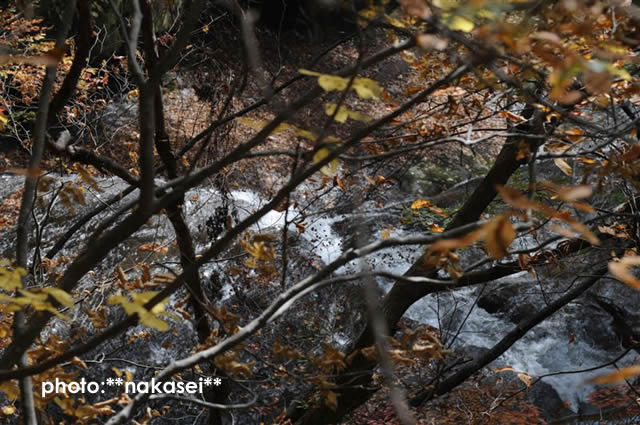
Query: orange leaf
x=511, y=116
x=500, y=234
x=618, y=375
x=621, y=270
x=420, y=203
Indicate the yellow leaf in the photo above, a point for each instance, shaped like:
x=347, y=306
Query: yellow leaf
x=445, y=4
x=146, y=317
x=10, y=277
x=420, y=203
x=61, y=296
x=10, y=388
x=329, y=169
x=618, y=375
x=8, y=410
x=331, y=82
x=459, y=23
x=367, y=88
x=344, y=113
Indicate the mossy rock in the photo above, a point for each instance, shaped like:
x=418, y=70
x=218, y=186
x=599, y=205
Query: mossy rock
x=432, y=177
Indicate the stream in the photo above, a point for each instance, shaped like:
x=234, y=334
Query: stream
x=578, y=336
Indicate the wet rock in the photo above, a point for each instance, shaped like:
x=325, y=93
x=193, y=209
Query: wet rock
x=506, y=301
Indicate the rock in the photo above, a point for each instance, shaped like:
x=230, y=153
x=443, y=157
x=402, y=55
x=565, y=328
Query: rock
x=506, y=301
x=547, y=399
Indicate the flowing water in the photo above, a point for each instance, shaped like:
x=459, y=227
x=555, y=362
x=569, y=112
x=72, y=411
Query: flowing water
x=549, y=347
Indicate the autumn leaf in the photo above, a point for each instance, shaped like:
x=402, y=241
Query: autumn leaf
x=621, y=270
x=332, y=167
x=617, y=376
x=436, y=228
x=146, y=317
x=61, y=296
x=570, y=193
x=420, y=203
x=563, y=166
x=79, y=362
x=511, y=116
x=343, y=114
x=86, y=177
x=30, y=173
x=400, y=357
x=331, y=400
x=499, y=235
x=460, y=23
x=503, y=369
x=10, y=277
x=526, y=378
x=367, y=88
x=10, y=410
x=456, y=243
x=331, y=358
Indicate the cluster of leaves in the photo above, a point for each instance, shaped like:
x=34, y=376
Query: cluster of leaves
x=25, y=48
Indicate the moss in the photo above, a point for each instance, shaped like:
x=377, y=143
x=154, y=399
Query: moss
x=439, y=174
